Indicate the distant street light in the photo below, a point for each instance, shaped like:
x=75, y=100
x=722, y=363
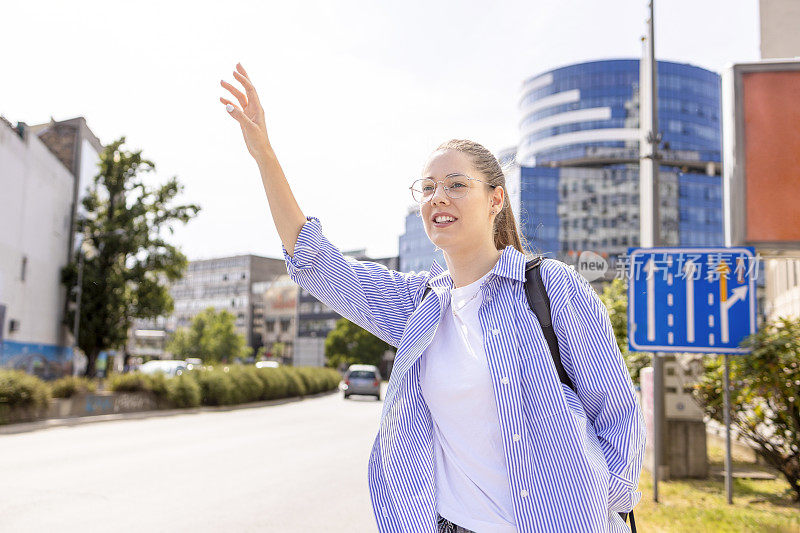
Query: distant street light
x=79, y=286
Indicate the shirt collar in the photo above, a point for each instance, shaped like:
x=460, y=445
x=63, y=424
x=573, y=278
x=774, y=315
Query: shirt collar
x=510, y=265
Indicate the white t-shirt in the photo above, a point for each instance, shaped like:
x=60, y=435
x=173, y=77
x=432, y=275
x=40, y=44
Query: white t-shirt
x=472, y=487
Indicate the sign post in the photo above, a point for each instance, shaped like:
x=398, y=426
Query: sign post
x=649, y=213
x=693, y=299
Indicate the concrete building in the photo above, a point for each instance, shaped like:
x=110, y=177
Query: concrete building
x=275, y=316
x=44, y=169
x=224, y=283
x=315, y=319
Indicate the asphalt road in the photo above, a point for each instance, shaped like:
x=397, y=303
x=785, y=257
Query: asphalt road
x=294, y=467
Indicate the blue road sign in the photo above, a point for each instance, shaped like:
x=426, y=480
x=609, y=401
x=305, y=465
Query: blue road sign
x=695, y=299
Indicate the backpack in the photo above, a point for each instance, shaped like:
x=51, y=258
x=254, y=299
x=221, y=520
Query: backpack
x=540, y=305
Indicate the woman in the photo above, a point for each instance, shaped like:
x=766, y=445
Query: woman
x=477, y=432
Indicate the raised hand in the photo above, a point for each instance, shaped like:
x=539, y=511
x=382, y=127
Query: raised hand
x=250, y=116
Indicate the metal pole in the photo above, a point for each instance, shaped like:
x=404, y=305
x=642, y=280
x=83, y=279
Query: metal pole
x=727, y=407
x=650, y=219
x=76, y=322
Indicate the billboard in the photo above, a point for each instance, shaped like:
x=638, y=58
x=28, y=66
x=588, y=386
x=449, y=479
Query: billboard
x=761, y=162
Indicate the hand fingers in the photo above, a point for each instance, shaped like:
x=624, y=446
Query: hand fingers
x=241, y=69
x=236, y=92
x=248, y=87
x=236, y=113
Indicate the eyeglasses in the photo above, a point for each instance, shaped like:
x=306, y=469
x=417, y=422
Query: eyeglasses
x=455, y=186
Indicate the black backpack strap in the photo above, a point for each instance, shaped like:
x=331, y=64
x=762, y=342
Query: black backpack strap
x=540, y=305
x=633, y=522
x=424, y=294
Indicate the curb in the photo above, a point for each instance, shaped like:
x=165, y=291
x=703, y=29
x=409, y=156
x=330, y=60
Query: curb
x=26, y=427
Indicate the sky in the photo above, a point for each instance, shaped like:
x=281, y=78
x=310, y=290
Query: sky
x=356, y=94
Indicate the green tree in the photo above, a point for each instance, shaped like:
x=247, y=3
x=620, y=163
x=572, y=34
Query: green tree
x=278, y=350
x=765, y=394
x=350, y=344
x=127, y=275
x=615, y=298
x=211, y=336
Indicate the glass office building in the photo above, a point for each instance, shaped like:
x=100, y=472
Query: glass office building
x=579, y=153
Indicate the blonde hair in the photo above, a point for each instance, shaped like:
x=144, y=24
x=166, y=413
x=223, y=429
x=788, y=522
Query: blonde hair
x=505, y=226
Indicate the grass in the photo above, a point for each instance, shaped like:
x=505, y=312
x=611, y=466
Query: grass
x=700, y=505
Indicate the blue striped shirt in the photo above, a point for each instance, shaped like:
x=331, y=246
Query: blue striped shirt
x=577, y=463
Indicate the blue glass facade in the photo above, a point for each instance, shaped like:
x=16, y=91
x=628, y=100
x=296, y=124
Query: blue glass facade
x=568, y=210
x=417, y=252
x=539, y=220
x=700, y=201
x=565, y=111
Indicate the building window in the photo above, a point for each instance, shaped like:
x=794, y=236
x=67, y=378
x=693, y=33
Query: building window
x=270, y=325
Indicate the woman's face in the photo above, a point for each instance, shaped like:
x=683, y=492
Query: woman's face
x=473, y=213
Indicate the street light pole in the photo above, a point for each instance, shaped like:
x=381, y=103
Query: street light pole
x=77, y=320
x=649, y=216
x=79, y=289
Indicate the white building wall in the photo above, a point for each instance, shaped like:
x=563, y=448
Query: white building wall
x=782, y=287
x=88, y=169
x=35, y=205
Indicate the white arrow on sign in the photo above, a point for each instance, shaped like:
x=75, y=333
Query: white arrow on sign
x=690, y=267
x=739, y=295
x=651, y=300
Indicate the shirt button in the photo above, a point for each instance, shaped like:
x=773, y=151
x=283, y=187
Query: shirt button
x=496, y=331
x=523, y=493
x=504, y=380
x=516, y=437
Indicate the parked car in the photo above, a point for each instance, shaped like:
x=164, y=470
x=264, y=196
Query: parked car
x=169, y=367
x=267, y=364
x=362, y=379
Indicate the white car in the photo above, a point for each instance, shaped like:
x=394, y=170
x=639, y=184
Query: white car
x=168, y=367
x=267, y=364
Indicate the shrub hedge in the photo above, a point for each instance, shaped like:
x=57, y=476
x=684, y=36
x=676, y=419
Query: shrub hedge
x=18, y=389
x=69, y=386
x=184, y=391
x=219, y=386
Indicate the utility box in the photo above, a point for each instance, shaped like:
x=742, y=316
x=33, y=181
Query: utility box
x=679, y=403
x=685, y=448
